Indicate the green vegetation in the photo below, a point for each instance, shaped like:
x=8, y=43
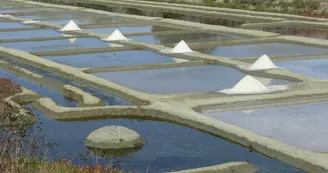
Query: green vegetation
x=303, y=7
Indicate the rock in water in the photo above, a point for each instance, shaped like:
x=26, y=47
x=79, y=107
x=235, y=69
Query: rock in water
x=114, y=137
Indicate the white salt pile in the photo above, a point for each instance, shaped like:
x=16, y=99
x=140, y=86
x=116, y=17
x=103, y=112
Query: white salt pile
x=247, y=85
x=181, y=47
x=179, y=60
x=250, y=85
x=116, y=36
x=71, y=26
x=263, y=63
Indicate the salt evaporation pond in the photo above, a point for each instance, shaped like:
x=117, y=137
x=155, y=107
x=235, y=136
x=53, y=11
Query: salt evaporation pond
x=303, y=126
x=178, y=80
x=302, y=32
x=63, y=14
x=130, y=29
x=106, y=97
x=82, y=21
x=257, y=50
x=109, y=59
x=41, y=90
x=168, y=146
x=21, y=10
x=175, y=38
x=7, y=25
x=53, y=45
x=30, y=34
x=316, y=68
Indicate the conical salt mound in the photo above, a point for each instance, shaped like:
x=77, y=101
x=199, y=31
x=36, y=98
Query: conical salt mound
x=263, y=63
x=181, y=47
x=248, y=85
x=71, y=26
x=116, y=36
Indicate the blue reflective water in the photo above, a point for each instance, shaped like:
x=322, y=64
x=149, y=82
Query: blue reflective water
x=108, y=99
x=41, y=90
x=168, y=146
x=109, y=59
x=257, y=50
x=130, y=29
x=303, y=126
x=316, y=68
x=52, y=45
x=177, y=80
x=29, y=34
x=175, y=38
x=7, y=25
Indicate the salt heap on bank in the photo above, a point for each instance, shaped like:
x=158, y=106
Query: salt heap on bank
x=247, y=85
x=116, y=36
x=71, y=26
x=250, y=85
x=181, y=47
x=263, y=63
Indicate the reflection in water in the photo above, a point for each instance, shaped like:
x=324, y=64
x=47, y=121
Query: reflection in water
x=303, y=32
x=194, y=18
x=169, y=146
x=111, y=153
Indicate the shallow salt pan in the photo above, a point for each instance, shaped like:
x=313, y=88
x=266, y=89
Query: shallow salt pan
x=257, y=50
x=178, y=80
x=6, y=25
x=316, y=68
x=41, y=90
x=29, y=34
x=303, y=126
x=175, y=38
x=109, y=59
x=128, y=29
x=52, y=45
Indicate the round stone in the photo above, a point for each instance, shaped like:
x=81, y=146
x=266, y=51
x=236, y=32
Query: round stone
x=114, y=137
